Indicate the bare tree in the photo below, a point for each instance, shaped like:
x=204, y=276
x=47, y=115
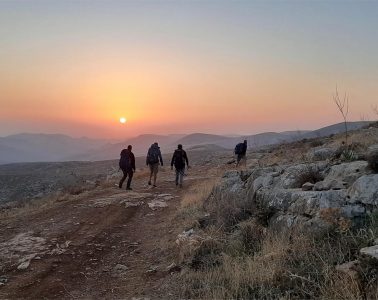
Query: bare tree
x=343, y=107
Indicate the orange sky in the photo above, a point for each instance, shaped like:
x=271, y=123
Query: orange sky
x=180, y=80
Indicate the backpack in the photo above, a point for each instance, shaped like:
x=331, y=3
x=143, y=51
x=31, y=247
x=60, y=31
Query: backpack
x=179, y=159
x=239, y=148
x=153, y=155
x=124, y=161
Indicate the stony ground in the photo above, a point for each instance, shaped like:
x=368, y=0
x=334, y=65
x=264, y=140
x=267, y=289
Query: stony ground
x=102, y=243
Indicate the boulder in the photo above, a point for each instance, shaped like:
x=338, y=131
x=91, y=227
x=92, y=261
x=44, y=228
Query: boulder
x=364, y=190
x=310, y=203
x=327, y=185
x=293, y=176
x=276, y=199
x=321, y=154
x=347, y=172
x=352, y=211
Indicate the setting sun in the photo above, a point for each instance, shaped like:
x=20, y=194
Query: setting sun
x=122, y=120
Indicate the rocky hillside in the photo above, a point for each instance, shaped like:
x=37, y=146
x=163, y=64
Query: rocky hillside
x=300, y=221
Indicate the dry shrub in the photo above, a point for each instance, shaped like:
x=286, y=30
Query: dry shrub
x=228, y=208
x=207, y=255
x=228, y=211
x=341, y=286
x=75, y=190
x=316, y=143
x=198, y=194
x=33, y=205
x=311, y=174
x=334, y=217
x=372, y=159
x=288, y=265
x=251, y=234
x=191, y=210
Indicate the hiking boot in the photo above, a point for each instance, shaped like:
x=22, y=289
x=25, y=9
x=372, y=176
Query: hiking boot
x=154, y=185
x=149, y=183
x=129, y=189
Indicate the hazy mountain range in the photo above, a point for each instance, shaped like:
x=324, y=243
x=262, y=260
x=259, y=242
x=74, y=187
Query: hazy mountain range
x=57, y=147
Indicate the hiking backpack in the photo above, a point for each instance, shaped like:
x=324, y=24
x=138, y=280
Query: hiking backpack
x=153, y=155
x=239, y=148
x=124, y=161
x=179, y=159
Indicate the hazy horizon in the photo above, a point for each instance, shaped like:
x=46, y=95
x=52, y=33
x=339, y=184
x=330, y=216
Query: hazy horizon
x=219, y=67
x=241, y=135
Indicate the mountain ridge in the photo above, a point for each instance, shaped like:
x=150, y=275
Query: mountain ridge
x=30, y=147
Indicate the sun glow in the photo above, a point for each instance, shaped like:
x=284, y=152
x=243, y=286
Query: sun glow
x=122, y=120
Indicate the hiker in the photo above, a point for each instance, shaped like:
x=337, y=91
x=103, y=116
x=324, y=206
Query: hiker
x=178, y=160
x=152, y=160
x=240, y=152
x=127, y=165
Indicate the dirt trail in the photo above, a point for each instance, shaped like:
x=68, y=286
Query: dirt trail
x=106, y=244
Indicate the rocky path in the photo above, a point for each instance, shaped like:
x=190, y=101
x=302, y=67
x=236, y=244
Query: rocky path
x=106, y=243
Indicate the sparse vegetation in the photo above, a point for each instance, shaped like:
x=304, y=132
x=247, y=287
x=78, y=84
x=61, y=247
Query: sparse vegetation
x=286, y=265
x=343, y=107
x=239, y=256
x=372, y=159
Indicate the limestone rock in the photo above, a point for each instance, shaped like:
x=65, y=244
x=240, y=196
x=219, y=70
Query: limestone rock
x=119, y=270
x=154, y=204
x=330, y=184
x=308, y=186
x=370, y=251
x=347, y=172
x=364, y=190
x=24, y=265
x=321, y=154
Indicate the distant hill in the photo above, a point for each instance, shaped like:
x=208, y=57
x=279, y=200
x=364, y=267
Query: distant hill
x=27, y=147
x=334, y=129
x=140, y=145
x=201, y=138
x=57, y=147
x=206, y=147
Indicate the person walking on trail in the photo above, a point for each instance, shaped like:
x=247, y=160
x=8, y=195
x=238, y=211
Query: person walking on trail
x=179, y=159
x=152, y=160
x=127, y=165
x=240, y=152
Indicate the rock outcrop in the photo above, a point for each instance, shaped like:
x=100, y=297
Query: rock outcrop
x=313, y=195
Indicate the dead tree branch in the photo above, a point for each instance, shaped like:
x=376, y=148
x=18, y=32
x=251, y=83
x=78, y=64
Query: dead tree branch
x=343, y=107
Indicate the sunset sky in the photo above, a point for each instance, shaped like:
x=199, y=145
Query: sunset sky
x=231, y=67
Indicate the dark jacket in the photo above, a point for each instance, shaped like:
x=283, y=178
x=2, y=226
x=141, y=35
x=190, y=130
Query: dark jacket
x=179, y=158
x=131, y=160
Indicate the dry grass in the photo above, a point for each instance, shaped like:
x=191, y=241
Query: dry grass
x=238, y=257
x=26, y=208
x=291, y=265
x=191, y=208
x=197, y=194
